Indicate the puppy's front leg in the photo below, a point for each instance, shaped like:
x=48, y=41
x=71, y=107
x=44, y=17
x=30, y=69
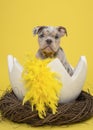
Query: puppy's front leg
x=62, y=57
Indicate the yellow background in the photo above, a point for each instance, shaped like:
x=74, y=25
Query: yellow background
x=17, y=19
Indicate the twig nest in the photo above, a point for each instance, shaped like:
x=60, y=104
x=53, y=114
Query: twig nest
x=79, y=110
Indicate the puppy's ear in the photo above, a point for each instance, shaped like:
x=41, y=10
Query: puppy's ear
x=62, y=30
x=38, y=29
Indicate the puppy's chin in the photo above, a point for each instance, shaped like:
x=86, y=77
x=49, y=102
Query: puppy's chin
x=48, y=50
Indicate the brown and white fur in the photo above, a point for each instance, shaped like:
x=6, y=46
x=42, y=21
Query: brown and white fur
x=49, y=44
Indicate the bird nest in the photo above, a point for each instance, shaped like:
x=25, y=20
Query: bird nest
x=67, y=113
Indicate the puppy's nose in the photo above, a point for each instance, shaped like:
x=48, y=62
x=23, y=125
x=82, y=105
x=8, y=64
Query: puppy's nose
x=49, y=41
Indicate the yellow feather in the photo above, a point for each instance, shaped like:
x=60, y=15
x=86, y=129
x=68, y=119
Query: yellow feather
x=43, y=86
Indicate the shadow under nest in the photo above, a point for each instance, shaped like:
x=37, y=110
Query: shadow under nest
x=79, y=110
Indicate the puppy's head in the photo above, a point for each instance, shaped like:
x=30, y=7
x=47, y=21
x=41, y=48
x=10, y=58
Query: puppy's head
x=49, y=37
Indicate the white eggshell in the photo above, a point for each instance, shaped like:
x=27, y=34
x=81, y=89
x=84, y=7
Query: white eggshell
x=71, y=86
x=15, y=75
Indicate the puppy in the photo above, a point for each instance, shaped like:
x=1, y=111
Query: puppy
x=49, y=44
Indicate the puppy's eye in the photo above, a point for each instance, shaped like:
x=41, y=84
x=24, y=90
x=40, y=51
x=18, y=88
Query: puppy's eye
x=41, y=36
x=56, y=37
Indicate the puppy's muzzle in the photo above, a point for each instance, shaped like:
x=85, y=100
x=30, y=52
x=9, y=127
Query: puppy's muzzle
x=48, y=41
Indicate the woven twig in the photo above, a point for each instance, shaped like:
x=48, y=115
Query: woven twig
x=68, y=113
